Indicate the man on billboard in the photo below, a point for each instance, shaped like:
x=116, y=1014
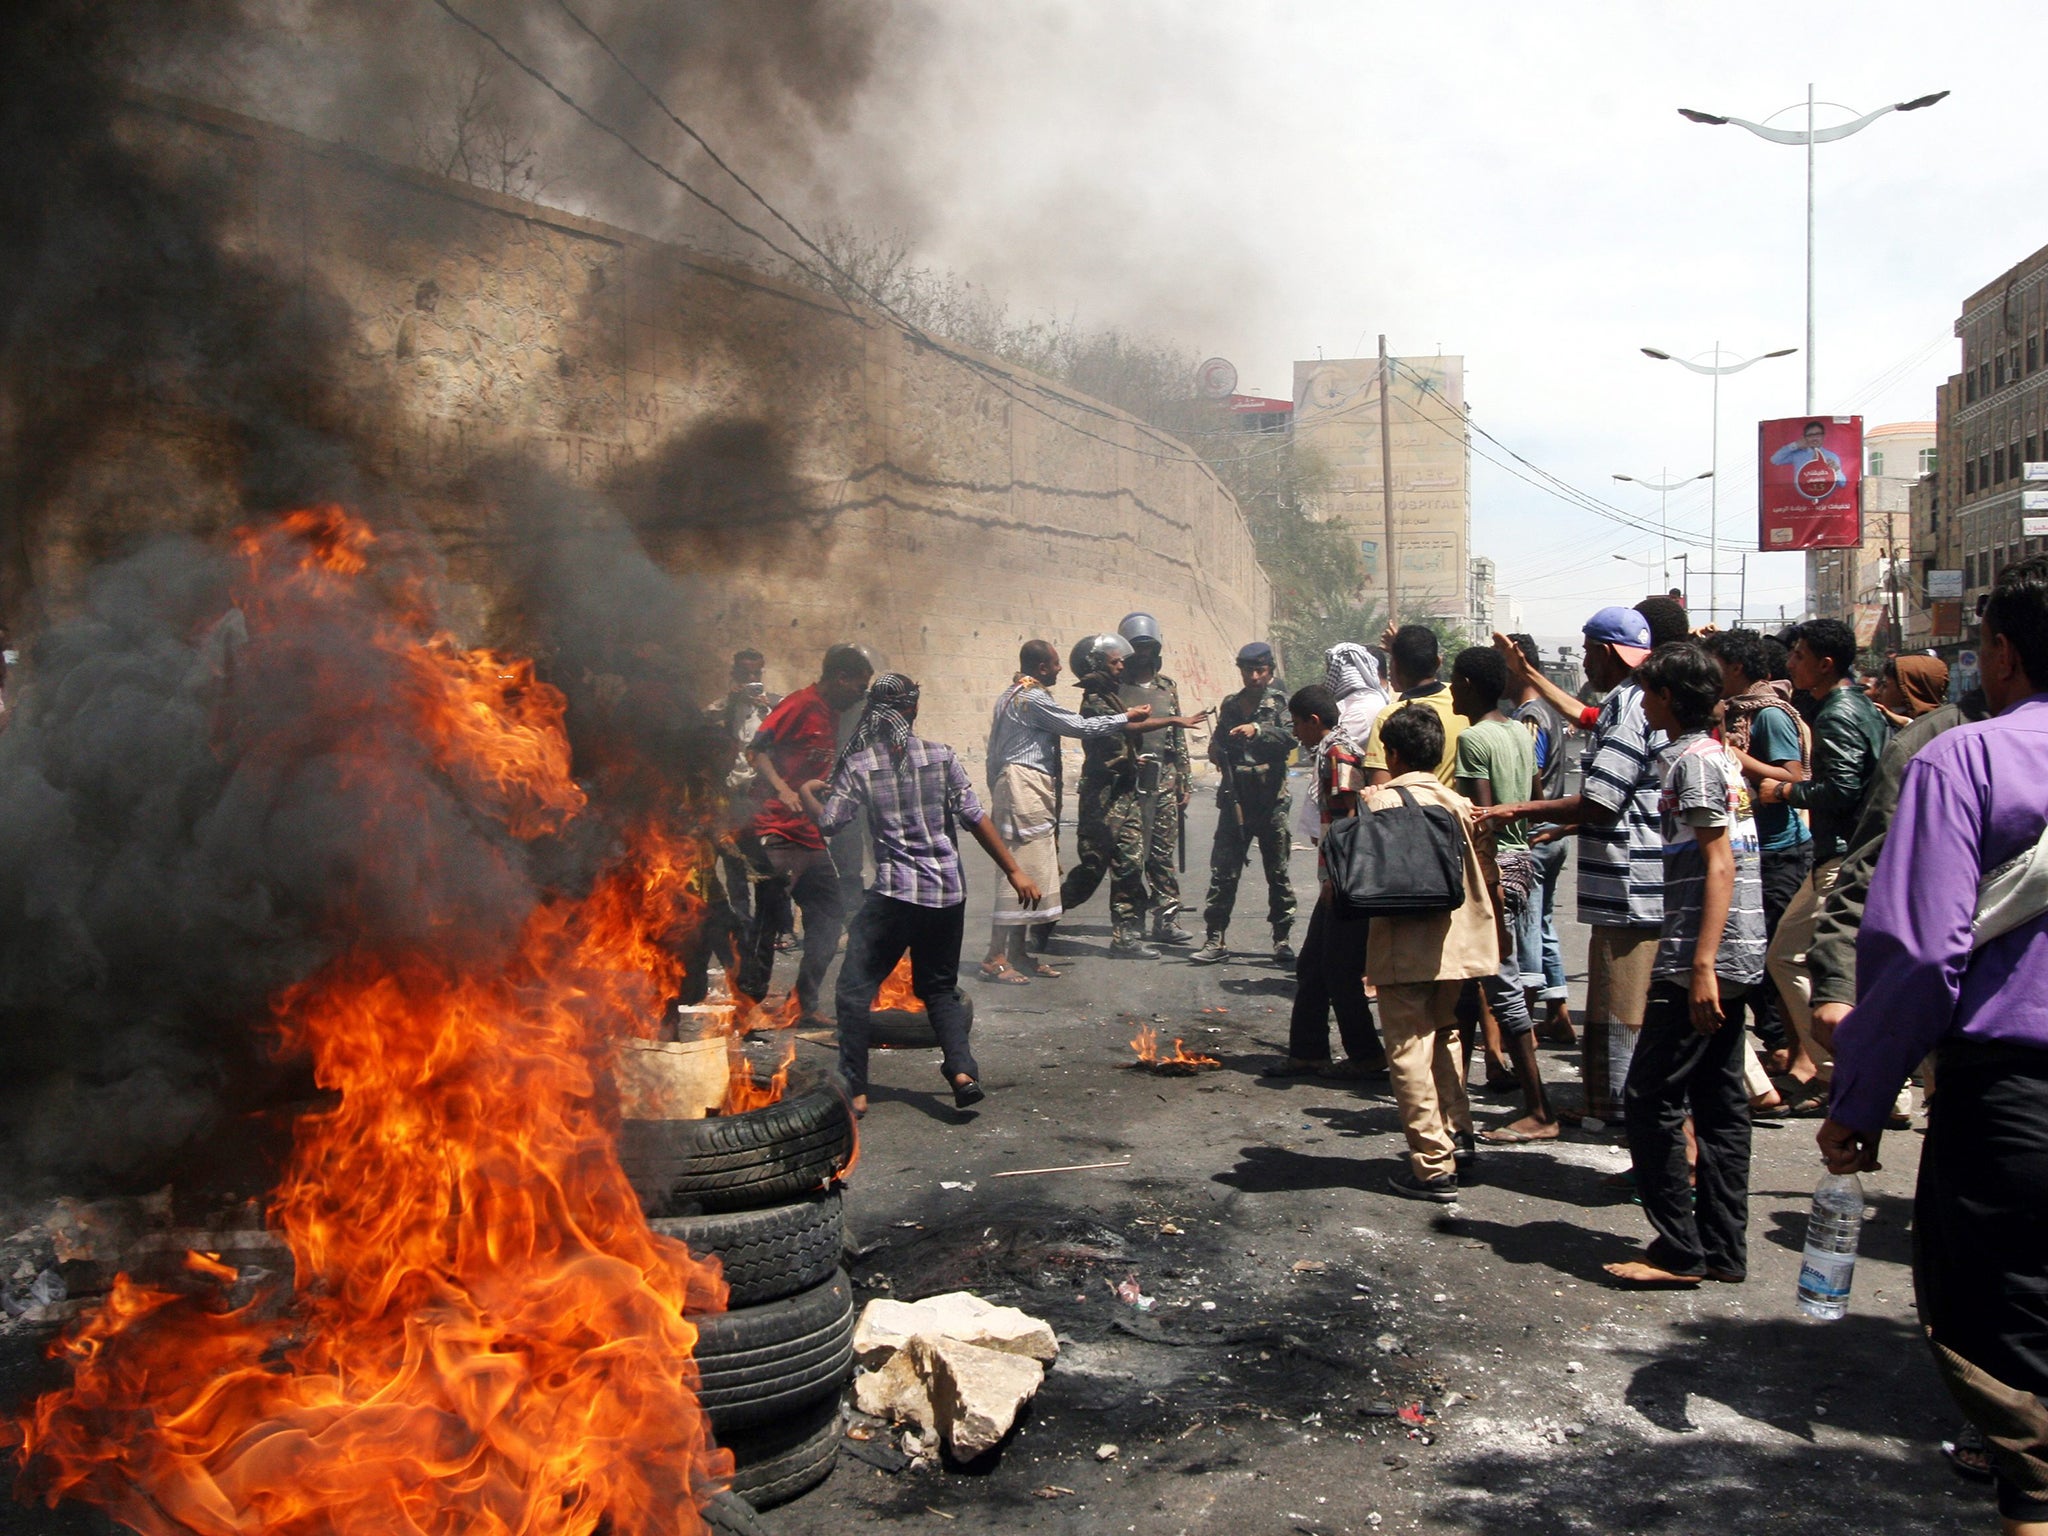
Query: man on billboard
x=1807, y=498
x=1810, y=446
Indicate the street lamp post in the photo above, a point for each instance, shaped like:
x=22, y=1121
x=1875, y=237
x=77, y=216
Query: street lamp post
x=1664, y=488
x=1714, y=370
x=1809, y=136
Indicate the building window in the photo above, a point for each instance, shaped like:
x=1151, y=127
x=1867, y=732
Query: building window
x=1970, y=386
x=2033, y=353
x=1999, y=376
x=1877, y=463
x=1984, y=378
x=1930, y=461
x=1997, y=466
x=1969, y=479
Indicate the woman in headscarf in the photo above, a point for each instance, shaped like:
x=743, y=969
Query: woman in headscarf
x=1911, y=686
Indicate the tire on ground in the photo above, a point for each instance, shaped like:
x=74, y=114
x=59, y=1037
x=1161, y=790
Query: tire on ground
x=908, y=1029
x=729, y=1514
x=741, y=1162
x=759, y=1364
x=767, y=1254
x=784, y=1461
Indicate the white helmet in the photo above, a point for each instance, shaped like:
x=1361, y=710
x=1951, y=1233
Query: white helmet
x=1091, y=650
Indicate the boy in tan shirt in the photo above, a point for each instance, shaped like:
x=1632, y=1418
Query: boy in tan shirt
x=1419, y=963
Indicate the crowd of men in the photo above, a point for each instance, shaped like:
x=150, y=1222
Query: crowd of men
x=1802, y=889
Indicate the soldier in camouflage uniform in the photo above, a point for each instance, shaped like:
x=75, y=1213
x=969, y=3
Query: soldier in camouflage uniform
x=1110, y=826
x=1162, y=776
x=1251, y=743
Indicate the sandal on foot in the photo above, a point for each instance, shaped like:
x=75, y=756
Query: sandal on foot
x=1050, y=972
x=1002, y=975
x=1508, y=1136
x=1639, y=1276
x=967, y=1094
x=1350, y=1071
x=1968, y=1454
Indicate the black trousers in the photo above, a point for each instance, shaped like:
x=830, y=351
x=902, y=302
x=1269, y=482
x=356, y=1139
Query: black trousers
x=1980, y=1254
x=882, y=930
x=807, y=877
x=1329, y=976
x=1784, y=870
x=1676, y=1070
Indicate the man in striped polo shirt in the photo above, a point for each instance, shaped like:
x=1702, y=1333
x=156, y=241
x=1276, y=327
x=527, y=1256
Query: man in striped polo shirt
x=1621, y=850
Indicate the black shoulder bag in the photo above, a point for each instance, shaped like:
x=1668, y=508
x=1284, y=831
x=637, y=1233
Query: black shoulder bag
x=1405, y=861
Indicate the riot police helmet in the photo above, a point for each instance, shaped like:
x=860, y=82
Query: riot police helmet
x=1091, y=650
x=1141, y=629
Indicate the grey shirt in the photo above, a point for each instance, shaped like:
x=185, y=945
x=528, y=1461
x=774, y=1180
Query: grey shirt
x=1704, y=787
x=1028, y=726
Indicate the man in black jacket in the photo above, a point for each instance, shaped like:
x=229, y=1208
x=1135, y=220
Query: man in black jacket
x=1848, y=739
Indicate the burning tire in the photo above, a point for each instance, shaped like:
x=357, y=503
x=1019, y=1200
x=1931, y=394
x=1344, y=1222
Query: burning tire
x=758, y=1364
x=785, y=1462
x=767, y=1254
x=908, y=1029
x=742, y=1162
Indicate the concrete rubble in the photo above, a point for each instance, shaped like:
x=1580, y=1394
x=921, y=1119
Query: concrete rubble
x=953, y=1365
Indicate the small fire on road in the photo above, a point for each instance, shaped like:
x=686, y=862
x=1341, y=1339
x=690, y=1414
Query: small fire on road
x=1178, y=1064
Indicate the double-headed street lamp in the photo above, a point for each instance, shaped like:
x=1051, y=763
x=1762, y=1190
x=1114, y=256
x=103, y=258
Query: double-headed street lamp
x=1809, y=136
x=1663, y=490
x=1715, y=369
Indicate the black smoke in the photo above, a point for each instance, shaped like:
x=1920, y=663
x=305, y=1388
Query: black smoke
x=184, y=831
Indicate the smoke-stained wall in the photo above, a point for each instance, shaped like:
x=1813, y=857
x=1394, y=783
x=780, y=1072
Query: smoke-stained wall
x=834, y=478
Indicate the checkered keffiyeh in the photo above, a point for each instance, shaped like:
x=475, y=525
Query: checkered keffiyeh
x=892, y=700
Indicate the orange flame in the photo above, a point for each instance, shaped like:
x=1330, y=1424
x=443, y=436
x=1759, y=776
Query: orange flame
x=743, y=1092
x=483, y=1337
x=1147, y=1047
x=895, y=993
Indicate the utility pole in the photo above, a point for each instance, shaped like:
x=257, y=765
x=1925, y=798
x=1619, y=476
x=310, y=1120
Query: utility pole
x=1387, y=484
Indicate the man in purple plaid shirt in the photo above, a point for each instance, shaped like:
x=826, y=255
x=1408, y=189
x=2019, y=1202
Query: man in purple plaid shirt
x=915, y=792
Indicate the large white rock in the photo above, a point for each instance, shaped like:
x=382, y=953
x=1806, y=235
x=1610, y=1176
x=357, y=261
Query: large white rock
x=886, y=1326
x=896, y=1392
x=975, y=1392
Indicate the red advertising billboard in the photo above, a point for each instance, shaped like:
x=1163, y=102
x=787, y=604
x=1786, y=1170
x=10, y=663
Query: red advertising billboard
x=1809, y=478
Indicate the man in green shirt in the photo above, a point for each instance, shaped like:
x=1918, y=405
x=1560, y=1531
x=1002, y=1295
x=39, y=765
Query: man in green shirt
x=1495, y=764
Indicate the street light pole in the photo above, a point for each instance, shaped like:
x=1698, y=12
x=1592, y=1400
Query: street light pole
x=1810, y=137
x=1664, y=488
x=1631, y=560
x=1714, y=370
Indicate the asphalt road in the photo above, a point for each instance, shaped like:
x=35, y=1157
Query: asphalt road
x=1299, y=1306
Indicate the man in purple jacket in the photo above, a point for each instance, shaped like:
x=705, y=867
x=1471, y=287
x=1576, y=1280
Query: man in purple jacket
x=1943, y=968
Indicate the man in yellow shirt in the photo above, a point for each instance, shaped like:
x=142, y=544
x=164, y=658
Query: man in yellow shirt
x=1412, y=663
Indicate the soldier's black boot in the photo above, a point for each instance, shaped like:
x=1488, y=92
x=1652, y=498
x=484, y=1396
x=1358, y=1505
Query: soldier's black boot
x=1283, y=951
x=1129, y=944
x=1166, y=929
x=1212, y=951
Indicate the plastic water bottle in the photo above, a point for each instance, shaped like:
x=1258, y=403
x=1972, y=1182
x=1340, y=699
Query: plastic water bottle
x=1833, y=1226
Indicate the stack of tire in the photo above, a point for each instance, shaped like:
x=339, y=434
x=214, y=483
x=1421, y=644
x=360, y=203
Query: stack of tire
x=759, y=1191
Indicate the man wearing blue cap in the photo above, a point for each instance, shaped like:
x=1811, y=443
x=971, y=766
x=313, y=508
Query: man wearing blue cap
x=1252, y=741
x=1621, y=848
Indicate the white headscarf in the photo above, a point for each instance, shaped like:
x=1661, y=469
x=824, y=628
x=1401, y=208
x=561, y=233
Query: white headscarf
x=1353, y=676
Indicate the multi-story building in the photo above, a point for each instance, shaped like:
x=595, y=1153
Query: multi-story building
x=1990, y=420
x=1337, y=412
x=1871, y=587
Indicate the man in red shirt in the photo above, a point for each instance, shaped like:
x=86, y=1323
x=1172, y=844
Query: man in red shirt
x=797, y=743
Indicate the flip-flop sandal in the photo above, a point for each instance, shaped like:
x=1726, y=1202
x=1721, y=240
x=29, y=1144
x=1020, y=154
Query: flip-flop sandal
x=1662, y=1280
x=1050, y=972
x=1812, y=1107
x=1289, y=1066
x=1508, y=1136
x=1003, y=976
x=1968, y=1455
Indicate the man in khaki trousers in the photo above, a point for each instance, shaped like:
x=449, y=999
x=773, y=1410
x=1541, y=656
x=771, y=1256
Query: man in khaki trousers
x=1419, y=964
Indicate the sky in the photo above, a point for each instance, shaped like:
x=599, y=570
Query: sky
x=1507, y=182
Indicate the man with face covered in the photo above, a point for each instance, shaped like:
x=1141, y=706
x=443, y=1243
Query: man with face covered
x=1251, y=743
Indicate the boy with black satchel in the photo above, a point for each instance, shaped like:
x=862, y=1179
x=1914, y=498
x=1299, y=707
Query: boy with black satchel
x=1410, y=861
